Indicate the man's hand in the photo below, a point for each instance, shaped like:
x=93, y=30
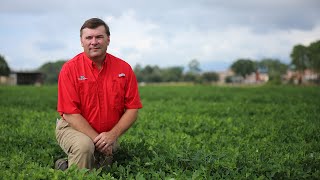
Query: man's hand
x=105, y=141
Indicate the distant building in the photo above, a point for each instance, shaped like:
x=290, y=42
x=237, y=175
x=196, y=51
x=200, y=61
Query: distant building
x=23, y=78
x=223, y=75
x=260, y=76
x=303, y=77
x=3, y=80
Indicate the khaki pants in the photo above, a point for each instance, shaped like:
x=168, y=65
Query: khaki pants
x=80, y=148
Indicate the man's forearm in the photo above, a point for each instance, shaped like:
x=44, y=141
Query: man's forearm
x=125, y=122
x=79, y=123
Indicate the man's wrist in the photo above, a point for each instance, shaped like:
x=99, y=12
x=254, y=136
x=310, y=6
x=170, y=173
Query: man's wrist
x=116, y=131
x=93, y=136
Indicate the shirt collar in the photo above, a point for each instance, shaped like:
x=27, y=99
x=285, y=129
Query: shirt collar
x=92, y=64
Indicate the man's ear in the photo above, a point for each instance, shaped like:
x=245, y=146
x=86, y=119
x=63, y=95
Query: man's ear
x=81, y=43
x=108, y=40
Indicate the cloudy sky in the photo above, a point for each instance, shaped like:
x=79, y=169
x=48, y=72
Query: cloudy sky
x=164, y=33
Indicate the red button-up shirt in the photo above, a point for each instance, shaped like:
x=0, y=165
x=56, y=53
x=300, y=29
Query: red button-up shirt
x=100, y=96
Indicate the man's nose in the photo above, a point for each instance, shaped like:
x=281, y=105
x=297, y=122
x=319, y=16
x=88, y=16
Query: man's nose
x=94, y=41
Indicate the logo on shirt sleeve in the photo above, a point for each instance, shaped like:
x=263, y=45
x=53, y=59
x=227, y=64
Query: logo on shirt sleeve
x=82, y=78
x=121, y=75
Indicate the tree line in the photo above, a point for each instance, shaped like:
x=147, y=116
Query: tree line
x=302, y=58
x=306, y=57
x=174, y=74
x=273, y=67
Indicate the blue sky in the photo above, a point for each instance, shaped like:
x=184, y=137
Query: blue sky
x=164, y=33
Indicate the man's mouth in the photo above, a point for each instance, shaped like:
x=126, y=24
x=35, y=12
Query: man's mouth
x=95, y=48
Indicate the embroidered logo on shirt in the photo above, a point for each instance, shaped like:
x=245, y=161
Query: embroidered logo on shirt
x=122, y=75
x=81, y=78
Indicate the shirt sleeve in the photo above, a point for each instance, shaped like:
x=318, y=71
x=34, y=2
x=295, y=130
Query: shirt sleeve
x=132, y=97
x=68, y=99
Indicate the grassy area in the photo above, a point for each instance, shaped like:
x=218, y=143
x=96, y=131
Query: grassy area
x=183, y=132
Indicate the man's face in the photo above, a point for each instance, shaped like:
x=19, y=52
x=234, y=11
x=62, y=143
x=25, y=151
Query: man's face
x=95, y=42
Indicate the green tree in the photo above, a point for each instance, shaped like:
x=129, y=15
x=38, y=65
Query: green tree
x=193, y=73
x=190, y=77
x=4, y=68
x=209, y=77
x=300, y=58
x=151, y=74
x=172, y=74
x=243, y=67
x=274, y=68
x=51, y=71
x=138, y=72
x=314, y=56
x=194, y=66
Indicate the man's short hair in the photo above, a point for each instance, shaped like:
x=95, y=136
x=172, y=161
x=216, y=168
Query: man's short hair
x=94, y=23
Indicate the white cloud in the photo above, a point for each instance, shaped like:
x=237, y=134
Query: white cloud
x=163, y=33
x=150, y=45
x=131, y=38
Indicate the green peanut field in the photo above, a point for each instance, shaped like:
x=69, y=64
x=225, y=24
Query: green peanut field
x=183, y=132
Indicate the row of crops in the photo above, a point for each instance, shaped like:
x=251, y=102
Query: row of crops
x=185, y=132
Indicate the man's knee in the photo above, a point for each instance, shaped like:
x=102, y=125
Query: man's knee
x=84, y=146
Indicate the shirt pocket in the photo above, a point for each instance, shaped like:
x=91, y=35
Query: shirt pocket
x=87, y=91
x=118, y=93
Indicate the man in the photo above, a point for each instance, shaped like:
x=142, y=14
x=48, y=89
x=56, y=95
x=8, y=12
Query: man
x=98, y=100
